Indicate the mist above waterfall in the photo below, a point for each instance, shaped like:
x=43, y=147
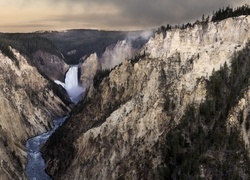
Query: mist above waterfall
x=125, y=49
x=71, y=84
x=117, y=54
x=144, y=35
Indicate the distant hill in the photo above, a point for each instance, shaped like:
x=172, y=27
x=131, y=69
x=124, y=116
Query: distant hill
x=74, y=44
x=71, y=45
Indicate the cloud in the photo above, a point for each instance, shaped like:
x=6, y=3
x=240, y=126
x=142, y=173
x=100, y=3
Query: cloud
x=147, y=13
x=121, y=14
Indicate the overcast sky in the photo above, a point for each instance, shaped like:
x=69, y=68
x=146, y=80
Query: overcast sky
x=34, y=15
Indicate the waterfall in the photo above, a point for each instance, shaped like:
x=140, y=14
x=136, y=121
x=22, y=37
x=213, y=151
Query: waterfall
x=35, y=166
x=71, y=79
x=71, y=84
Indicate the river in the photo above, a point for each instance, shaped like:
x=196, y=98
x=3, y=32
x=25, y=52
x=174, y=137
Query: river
x=35, y=166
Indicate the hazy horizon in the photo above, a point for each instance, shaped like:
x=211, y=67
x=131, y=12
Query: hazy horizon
x=118, y=15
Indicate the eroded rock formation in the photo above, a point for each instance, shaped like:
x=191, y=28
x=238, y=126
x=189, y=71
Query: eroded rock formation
x=118, y=130
x=28, y=104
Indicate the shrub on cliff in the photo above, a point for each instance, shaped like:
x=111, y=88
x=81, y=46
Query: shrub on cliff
x=201, y=142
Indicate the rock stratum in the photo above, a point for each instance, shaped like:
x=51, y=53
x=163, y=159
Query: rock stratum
x=28, y=104
x=30, y=100
x=120, y=128
x=175, y=106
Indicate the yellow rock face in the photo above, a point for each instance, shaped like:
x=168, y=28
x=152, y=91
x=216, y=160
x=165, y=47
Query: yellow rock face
x=27, y=107
x=118, y=130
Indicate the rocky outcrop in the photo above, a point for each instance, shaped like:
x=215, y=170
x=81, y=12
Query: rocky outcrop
x=209, y=46
x=50, y=65
x=239, y=118
x=28, y=104
x=118, y=130
x=113, y=55
x=88, y=69
x=116, y=54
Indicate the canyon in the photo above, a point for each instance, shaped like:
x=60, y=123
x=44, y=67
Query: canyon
x=119, y=129
x=138, y=91
x=28, y=103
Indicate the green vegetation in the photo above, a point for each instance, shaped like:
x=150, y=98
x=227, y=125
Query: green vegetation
x=99, y=76
x=221, y=14
x=83, y=42
x=137, y=58
x=60, y=92
x=5, y=49
x=201, y=140
x=74, y=45
x=28, y=43
x=229, y=12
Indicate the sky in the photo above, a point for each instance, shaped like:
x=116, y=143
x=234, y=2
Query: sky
x=36, y=15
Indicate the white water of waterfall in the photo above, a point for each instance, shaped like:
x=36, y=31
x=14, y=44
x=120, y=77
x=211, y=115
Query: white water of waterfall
x=71, y=84
x=36, y=166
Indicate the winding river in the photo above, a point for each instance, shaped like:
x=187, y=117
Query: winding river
x=35, y=168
